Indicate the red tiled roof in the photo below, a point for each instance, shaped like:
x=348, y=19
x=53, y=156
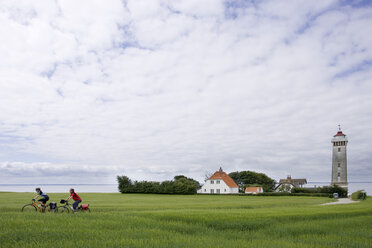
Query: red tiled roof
x=226, y=178
x=253, y=189
x=339, y=133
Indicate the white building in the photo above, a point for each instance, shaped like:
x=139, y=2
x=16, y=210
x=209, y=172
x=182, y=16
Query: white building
x=286, y=185
x=219, y=183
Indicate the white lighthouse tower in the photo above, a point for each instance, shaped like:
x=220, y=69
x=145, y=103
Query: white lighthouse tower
x=339, y=161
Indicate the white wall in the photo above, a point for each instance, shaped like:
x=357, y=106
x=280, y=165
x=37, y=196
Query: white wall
x=339, y=157
x=218, y=186
x=290, y=186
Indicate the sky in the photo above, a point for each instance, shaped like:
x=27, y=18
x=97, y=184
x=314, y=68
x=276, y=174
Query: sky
x=152, y=89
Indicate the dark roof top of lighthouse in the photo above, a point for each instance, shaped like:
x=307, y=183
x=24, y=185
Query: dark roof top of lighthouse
x=339, y=133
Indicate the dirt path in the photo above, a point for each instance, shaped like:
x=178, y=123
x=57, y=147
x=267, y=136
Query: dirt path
x=341, y=201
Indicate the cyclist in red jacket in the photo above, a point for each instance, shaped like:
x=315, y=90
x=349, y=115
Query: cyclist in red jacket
x=75, y=197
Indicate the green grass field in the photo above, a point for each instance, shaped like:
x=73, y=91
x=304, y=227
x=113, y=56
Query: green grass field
x=126, y=220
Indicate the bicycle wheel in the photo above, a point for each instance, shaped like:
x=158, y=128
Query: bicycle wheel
x=53, y=210
x=63, y=209
x=29, y=208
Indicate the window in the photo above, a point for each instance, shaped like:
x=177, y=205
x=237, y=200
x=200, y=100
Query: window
x=339, y=174
x=205, y=190
x=339, y=165
x=217, y=191
x=339, y=149
x=212, y=182
x=225, y=190
x=212, y=191
x=218, y=182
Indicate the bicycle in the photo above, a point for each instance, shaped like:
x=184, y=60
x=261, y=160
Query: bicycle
x=67, y=208
x=34, y=207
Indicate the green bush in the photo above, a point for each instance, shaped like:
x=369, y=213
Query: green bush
x=294, y=194
x=323, y=190
x=359, y=195
x=304, y=190
x=274, y=194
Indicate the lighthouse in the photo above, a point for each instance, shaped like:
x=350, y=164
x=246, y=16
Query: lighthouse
x=339, y=161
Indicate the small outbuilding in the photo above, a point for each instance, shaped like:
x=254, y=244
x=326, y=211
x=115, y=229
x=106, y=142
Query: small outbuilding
x=253, y=190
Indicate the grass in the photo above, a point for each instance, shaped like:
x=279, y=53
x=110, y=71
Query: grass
x=132, y=220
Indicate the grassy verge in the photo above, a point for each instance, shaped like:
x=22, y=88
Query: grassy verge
x=119, y=220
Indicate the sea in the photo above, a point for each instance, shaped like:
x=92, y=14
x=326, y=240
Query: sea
x=61, y=188
x=113, y=188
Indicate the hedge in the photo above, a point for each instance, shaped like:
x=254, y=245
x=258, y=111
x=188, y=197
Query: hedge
x=325, y=190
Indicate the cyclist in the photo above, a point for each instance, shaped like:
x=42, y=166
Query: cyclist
x=75, y=197
x=44, y=198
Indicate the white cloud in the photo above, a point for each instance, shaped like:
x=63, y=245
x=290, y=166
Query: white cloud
x=159, y=88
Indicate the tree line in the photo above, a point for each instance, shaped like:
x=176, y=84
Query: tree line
x=179, y=185
x=184, y=185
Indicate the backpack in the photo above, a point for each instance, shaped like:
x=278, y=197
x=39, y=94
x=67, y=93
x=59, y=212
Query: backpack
x=85, y=206
x=53, y=205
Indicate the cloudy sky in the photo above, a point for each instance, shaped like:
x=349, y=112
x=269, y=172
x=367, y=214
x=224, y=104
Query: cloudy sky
x=151, y=89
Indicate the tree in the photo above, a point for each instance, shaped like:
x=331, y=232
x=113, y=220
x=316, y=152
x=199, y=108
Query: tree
x=185, y=185
x=250, y=178
x=125, y=184
x=207, y=175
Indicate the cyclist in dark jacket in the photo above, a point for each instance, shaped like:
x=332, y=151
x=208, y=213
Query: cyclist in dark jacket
x=44, y=197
